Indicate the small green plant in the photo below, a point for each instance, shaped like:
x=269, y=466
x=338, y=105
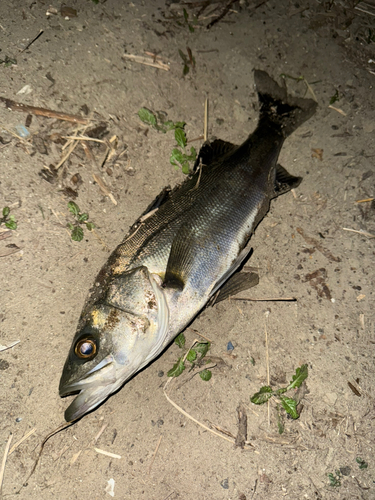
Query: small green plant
x=8, y=219
x=81, y=220
x=335, y=479
x=179, y=157
x=158, y=123
x=195, y=356
x=289, y=404
x=361, y=463
x=8, y=61
x=334, y=98
x=186, y=19
x=189, y=60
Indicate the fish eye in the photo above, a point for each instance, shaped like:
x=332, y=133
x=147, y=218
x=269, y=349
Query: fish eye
x=85, y=348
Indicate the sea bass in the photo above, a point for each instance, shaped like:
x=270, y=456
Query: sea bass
x=182, y=252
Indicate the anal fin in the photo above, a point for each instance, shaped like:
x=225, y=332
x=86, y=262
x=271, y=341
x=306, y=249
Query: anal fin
x=284, y=181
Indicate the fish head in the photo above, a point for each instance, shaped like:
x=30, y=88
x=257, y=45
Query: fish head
x=120, y=335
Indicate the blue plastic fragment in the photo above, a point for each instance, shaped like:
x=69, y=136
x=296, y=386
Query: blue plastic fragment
x=22, y=131
x=230, y=346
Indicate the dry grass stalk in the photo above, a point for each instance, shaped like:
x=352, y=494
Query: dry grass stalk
x=147, y=61
x=363, y=233
x=9, y=346
x=48, y=113
x=154, y=455
x=104, y=189
x=107, y=453
x=2, y=468
x=26, y=436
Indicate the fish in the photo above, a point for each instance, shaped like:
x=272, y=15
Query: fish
x=182, y=253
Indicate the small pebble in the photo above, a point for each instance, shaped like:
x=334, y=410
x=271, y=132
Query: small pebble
x=230, y=346
x=18, y=419
x=225, y=484
x=161, y=373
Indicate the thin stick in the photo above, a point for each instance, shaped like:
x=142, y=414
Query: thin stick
x=147, y=61
x=70, y=151
x=104, y=426
x=2, y=468
x=153, y=458
x=32, y=41
x=338, y=110
x=203, y=337
x=268, y=365
x=55, y=431
x=82, y=138
x=26, y=436
x=107, y=453
x=364, y=10
x=365, y=200
x=274, y=299
x=49, y=113
x=9, y=346
x=193, y=419
x=205, y=119
x=363, y=233
x=104, y=188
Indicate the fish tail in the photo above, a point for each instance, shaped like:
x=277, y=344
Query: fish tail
x=277, y=108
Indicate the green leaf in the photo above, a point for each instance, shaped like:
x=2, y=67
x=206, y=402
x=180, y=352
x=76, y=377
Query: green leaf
x=180, y=340
x=262, y=396
x=6, y=211
x=83, y=217
x=290, y=406
x=252, y=360
x=11, y=224
x=90, y=226
x=73, y=208
x=202, y=348
x=191, y=29
x=147, y=116
x=177, y=368
x=362, y=464
x=70, y=226
x=185, y=70
x=176, y=156
x=335, y=97
x=205, y=375
x=185, y=168
x=179, y=124
x=281, y=391
x=191, y=356
x=186, y=15
x=180, y=137
x=77, y=234
x=299, y=377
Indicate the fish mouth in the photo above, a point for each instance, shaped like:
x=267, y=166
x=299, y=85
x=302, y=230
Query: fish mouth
x=92, y=390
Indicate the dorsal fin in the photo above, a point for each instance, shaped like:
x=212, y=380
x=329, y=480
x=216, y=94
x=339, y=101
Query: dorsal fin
x=210, y=151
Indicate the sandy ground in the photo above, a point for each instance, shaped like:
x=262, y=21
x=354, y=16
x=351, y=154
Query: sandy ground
x=77, y=66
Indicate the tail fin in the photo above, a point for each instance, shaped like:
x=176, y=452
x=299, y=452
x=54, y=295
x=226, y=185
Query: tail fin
x=284, y=111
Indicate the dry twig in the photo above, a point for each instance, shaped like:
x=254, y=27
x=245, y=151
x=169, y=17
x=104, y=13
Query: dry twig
x=49, y=113
x=2, y=468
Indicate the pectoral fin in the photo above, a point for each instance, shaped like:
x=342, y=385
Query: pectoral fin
x=237, y=283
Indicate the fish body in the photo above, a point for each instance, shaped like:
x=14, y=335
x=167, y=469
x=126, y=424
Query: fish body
x=181, y=253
